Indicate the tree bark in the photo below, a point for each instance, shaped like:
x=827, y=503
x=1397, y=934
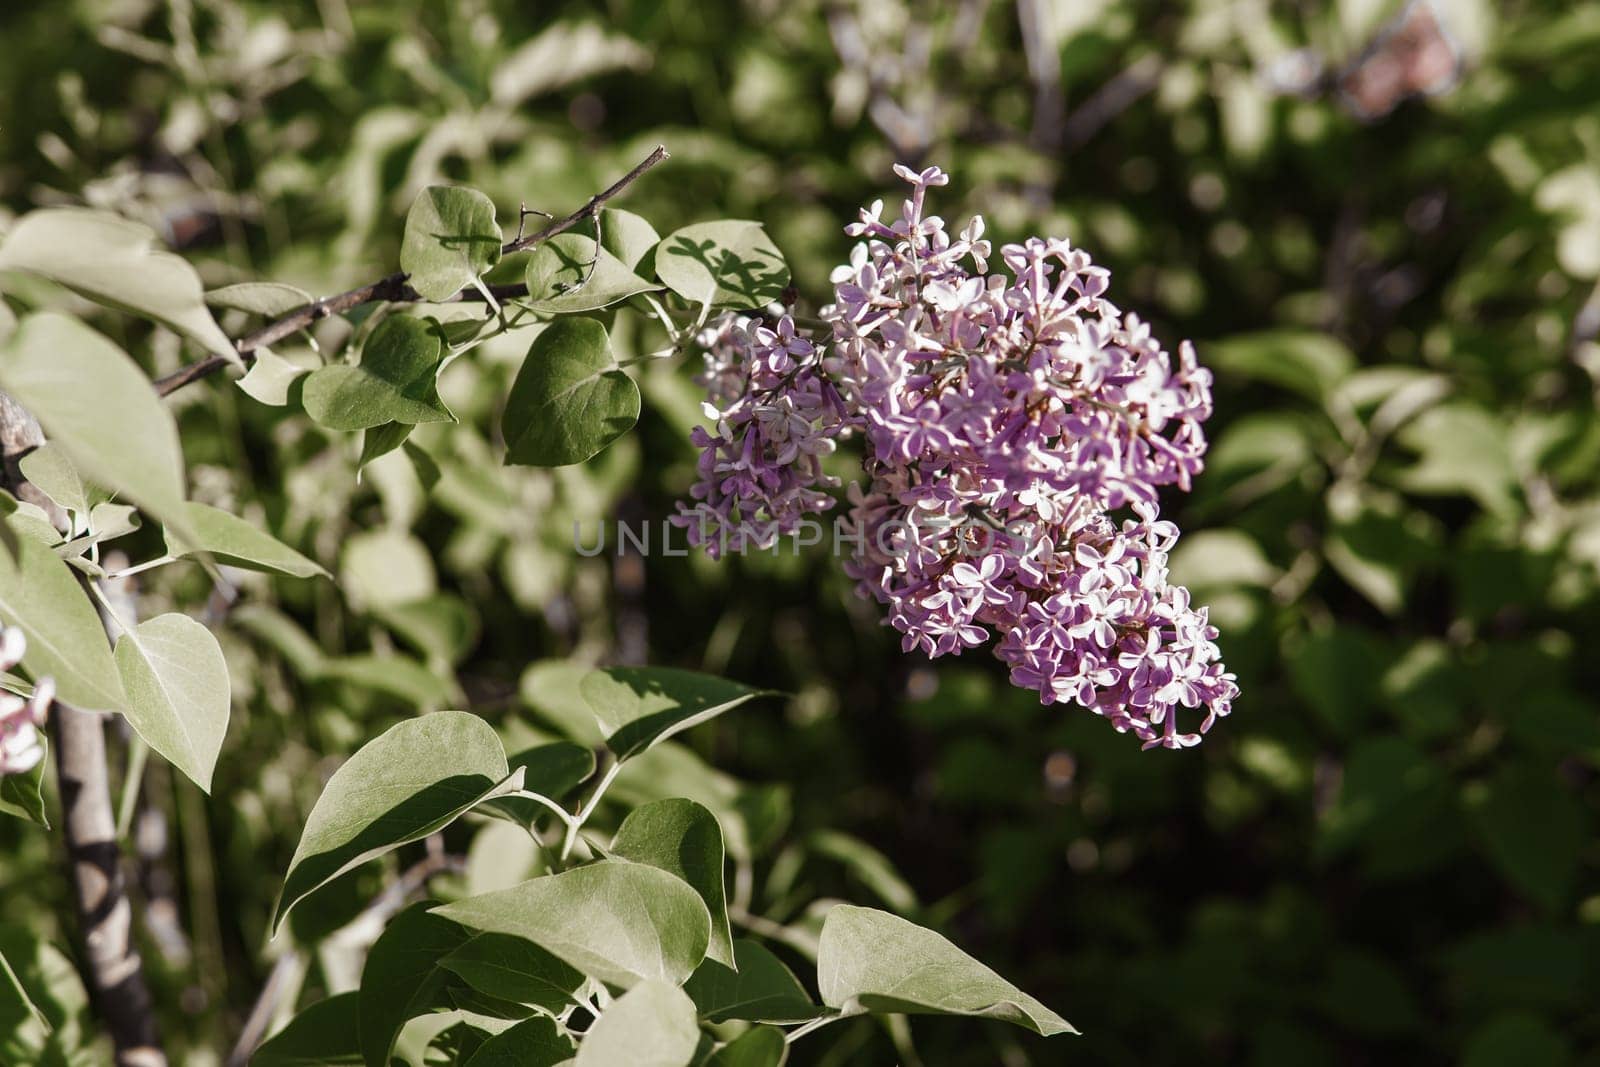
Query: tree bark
x=105, y=917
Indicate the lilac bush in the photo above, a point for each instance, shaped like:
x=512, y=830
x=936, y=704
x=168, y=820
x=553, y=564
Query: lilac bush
x=1017, y=428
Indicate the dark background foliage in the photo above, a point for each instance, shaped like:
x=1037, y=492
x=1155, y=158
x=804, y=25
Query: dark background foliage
x=1385, y=855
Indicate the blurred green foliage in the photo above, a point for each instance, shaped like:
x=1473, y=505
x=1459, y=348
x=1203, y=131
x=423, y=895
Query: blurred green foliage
x=1387, y=854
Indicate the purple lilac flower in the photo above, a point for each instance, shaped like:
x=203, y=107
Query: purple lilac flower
x=1006, y=418
x=21, y=744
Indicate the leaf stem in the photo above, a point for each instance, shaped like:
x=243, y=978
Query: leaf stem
x=576, y=822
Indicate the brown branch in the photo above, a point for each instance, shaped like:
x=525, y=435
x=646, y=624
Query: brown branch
x=100, y=898
x=394, y=288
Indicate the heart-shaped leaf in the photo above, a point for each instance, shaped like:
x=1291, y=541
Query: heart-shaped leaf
x=327, y=1034
x=569, y=400
x=178, y=691
x=451, y=239
x=630, y=238
x=416, y=777
x=402, y=978
x=514, y=968
x=874, y=961
x=639, y=707
x=682, y=838
x=53, y=474
x=652, y=1025
x=731, y=264
x=396, y=380
x=567, y=273
x=271, y=378
x=238, y=543
x=761, y=990
x=115, y=262
x=616, y=921
x=40, y=596
x=117, y=434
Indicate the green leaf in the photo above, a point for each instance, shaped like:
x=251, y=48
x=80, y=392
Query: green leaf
x=396, y=380
x=117, y=434
x=399, y=677
x=874, y=961
x=327, y=1034
x=652, y=1025
x=569, y=400
x=271, y=378
x=441, y=626
x=178, y=691
x=1534, y=831
x=553, y=688
x=66, y=641
x=514, y=968
x=380, y=441
x=115, y=262
x=616, y=921
x=20, y=794
x=628, y=237
x=43, y=1005
x=639, y=707
x=567, y=273
x=875, y=870
x=451, y=239
x=1462, y=449
x=732, y=263
x=386, y=567
x=761, y=1046
x=53, y=474
x=535, y=1042
x=427, y=469
x=761, y=990
x=402, y=979
x=682, y=838
x=552, y=770
x=417, y=777
x=267, y=299
x=1302, y=361
x=234, y=541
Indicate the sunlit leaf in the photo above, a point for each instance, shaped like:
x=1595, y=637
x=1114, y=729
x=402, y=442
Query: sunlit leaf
x=616, y=921
x=267, y=299
x=567, y=273
x=639, y=707
x=178, y=691
x=115, y=262
x=731, y=263
x=234, y=541
x=874, y=961
x=682, y=838
x=415, y=778
x=450, y=239
x=652, y=1025
x=394, y=382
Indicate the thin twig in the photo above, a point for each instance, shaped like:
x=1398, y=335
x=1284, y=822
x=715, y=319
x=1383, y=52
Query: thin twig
x=394, y=289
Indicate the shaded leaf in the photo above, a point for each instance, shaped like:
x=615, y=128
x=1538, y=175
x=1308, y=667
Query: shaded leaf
x=630, y=238
x=514, y=968
x=450, y=239
x=20, y=794
x=178, y=691
x=551, y=770
x=760, y=1046
x=569, y=399
x=683, y=838
x=535, y=1042
x=1302, y=361
x=394, y=382
x=271, y=378
x=415, y=778
x=616, y=921
x=327, y=1034
x=874, y=961
x=639, y=707
x=53, y=474
x=763, y=989
x=401, y=978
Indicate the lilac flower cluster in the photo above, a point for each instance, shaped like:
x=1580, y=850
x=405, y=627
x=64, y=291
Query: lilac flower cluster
x=1006, y=416
x=21, y=745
